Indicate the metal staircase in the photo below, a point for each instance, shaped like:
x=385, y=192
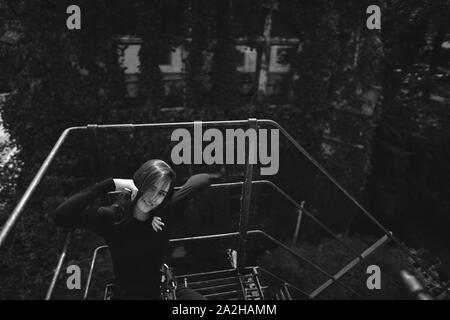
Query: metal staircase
x=231, y=284
x=241, y=282
x=251, y=283
x=223, y=285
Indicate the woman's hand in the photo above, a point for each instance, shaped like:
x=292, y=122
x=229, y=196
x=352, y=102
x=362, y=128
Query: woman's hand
x=122, y=184
x=157, y=223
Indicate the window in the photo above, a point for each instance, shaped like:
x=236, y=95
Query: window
x=165, y=58
x=247, y=62
x=281, y=57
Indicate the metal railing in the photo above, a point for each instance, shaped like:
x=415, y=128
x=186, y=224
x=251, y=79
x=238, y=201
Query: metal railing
x=6, y=229
x=314, y=294
x=277, y=189
x=245, y=193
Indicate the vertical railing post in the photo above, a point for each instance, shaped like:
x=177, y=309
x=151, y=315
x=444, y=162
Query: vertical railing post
x=258, y=282
x=91, y=270
x=48, y=296
x=299, y=220
x=251, y=148
x=92, y=136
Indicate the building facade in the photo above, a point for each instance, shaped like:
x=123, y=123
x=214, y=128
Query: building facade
x=173, y=66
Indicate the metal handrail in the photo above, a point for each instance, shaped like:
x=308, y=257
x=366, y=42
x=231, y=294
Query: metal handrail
x=176, y=240
x=333, y=279
x=28, y=193
x=304, y=210
x=283, y=193
x=63, y=137
x=336, y=184
x=388, y=233
x=323, y=171
x=24, y=199
x=306, y=260
x=18, y=210
x=224, y=235
x=383, y=240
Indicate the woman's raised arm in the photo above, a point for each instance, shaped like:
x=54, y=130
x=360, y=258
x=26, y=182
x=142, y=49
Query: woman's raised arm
x=192, y=186
x=76, y=211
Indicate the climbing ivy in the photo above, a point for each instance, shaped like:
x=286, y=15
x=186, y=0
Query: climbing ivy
x=382, y=90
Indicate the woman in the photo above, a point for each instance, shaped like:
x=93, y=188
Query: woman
x=137, y=233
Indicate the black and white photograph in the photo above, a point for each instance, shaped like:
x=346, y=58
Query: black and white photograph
x=251, y=150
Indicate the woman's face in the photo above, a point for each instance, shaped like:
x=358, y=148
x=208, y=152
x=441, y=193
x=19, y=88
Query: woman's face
x=153, y=196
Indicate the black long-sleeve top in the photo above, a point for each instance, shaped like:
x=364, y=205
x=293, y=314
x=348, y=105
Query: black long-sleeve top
x=137, y=250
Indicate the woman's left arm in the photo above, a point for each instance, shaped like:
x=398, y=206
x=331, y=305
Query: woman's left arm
x=181, y=196
x=192, y=186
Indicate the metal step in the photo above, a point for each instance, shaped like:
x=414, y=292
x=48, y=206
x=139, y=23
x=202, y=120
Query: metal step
x=228, y=286
x=227, y=295
x=210, y=283
x=223, y=284
x=195, y=277
x=232, y=284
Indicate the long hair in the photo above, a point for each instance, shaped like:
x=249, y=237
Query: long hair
x=150, y=173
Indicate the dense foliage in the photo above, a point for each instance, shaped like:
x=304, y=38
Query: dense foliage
x=371, y=106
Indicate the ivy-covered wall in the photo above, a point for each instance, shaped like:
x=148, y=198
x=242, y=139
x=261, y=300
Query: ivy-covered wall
x=370, y=106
